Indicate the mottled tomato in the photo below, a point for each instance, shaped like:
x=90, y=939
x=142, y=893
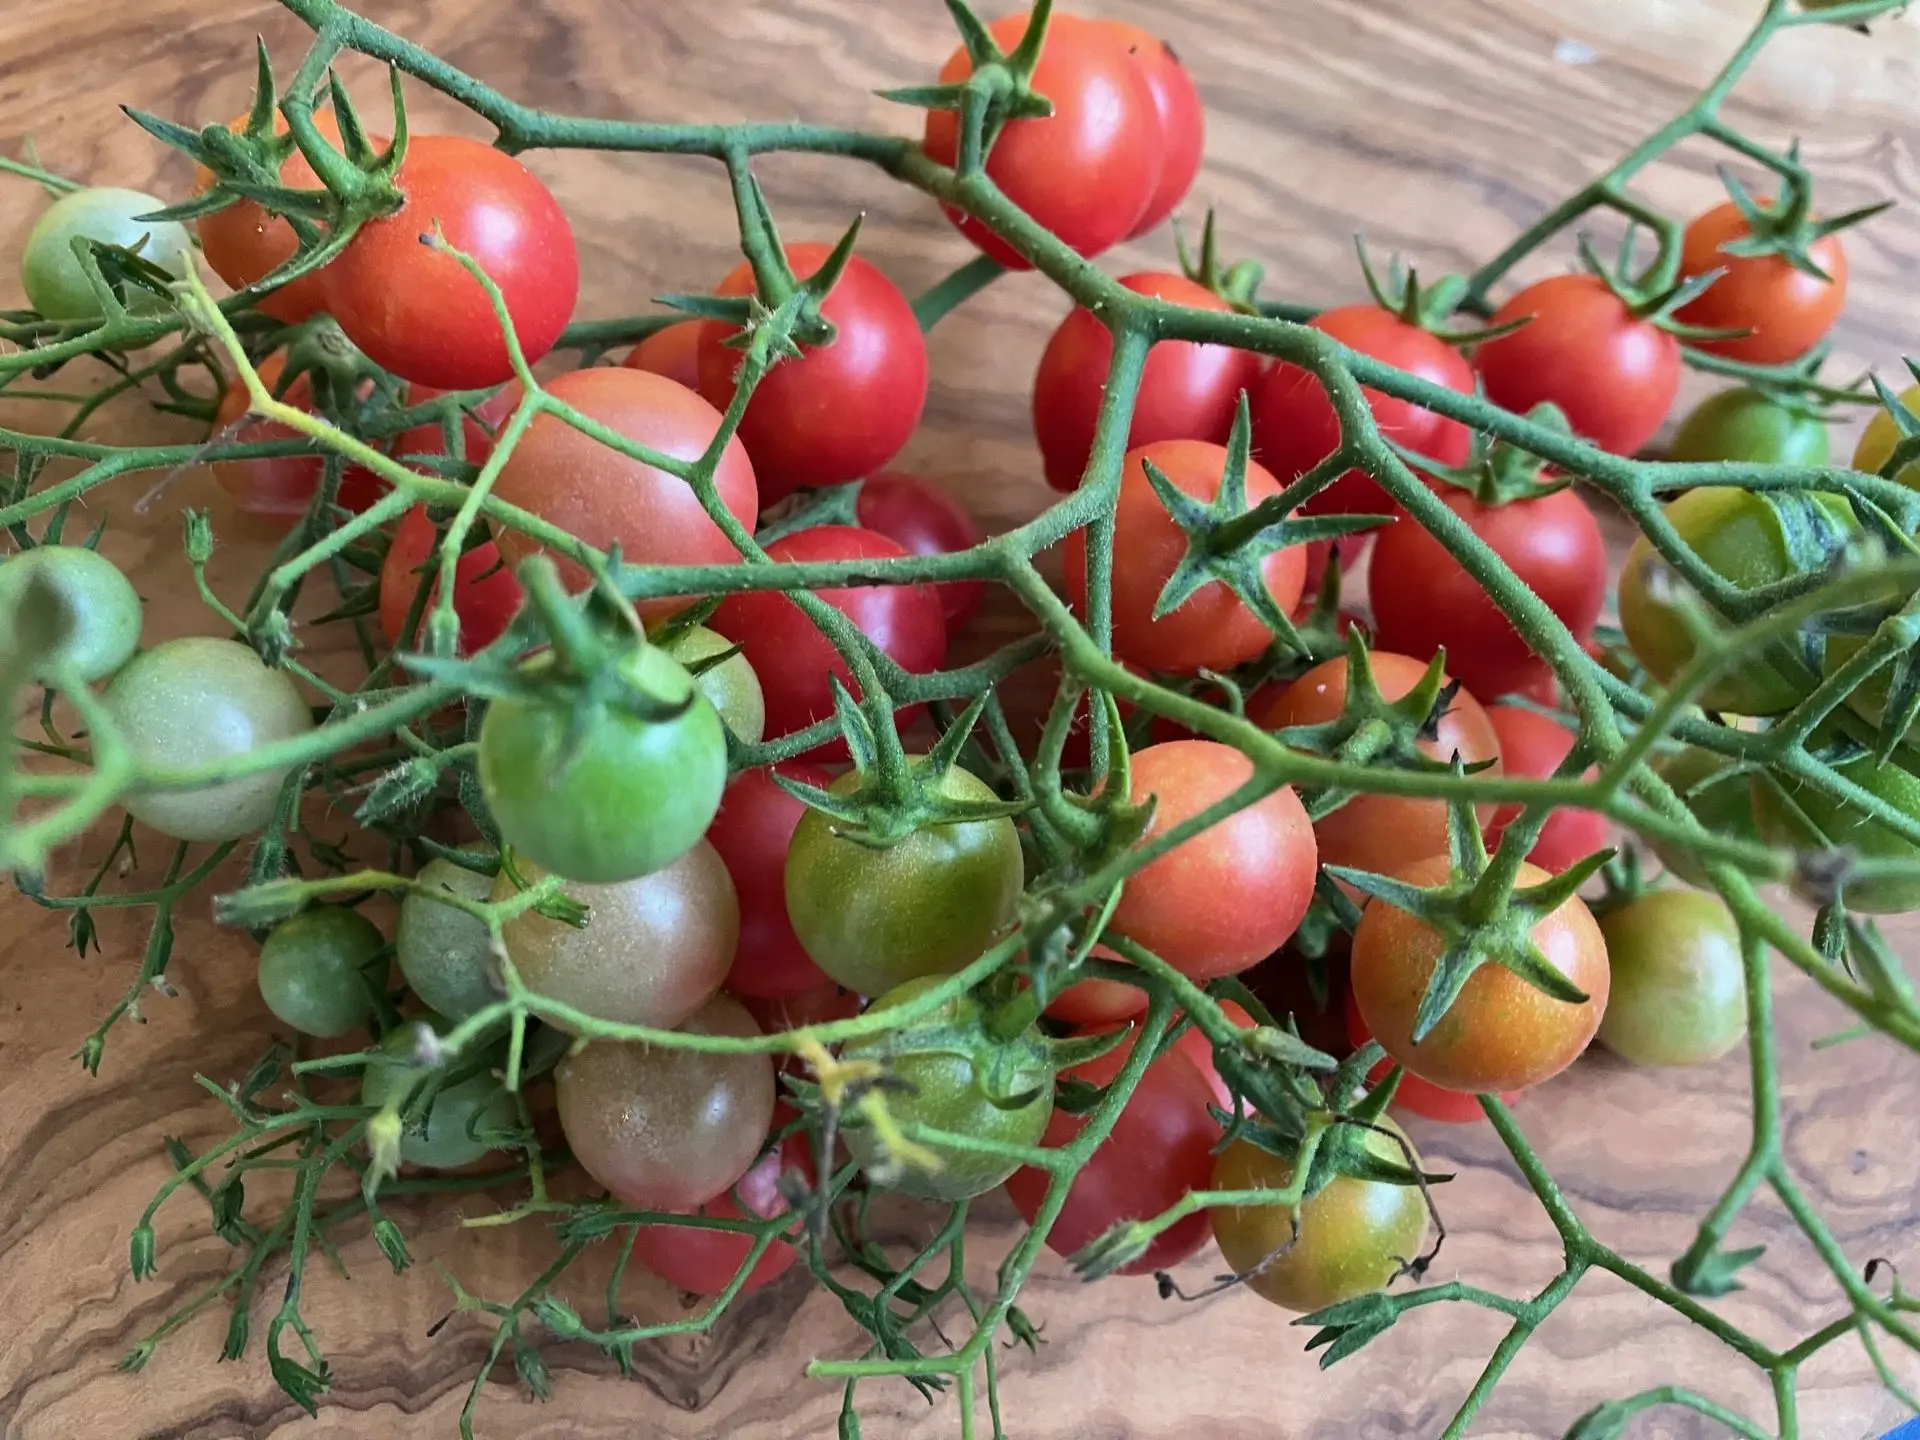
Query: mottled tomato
x=1751, y=425
x=1679, y=988
x=1187, y=391
x=1613, y=374
x=1532, y=747
x=794, y=660
x=280, y=488
x=1501, y=1033
x=1213, y=628
x=704, y=1262
x=1262, y=856
x=923, y=519
x=1414, y=1095
x=1088, y=171
x=1785, y=310
x=1294, y=427
x=1183, y=122
x=1424, y=601
x=1385, y=832
x=1199, y=1051
x=752, y=832
x=603, y=498
x=673, y=352
x=840, y=410
x=1160, y=1148
x=486, y=596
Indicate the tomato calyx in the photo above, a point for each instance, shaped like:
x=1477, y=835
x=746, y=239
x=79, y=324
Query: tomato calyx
x=782, y=303
x=1425, y=307
x=1786, y=226
x=1235, y=283
x=998, y=89
x=1654, y=296
x=1498, y=473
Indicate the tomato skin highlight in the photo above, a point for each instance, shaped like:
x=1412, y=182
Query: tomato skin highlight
x=604, y=498
x=1187, y=391
x=486, y=596
x=840, y=411
x=1213, y=628
x=1424, y=601
x=1088, y=171
x=1613, y=376
x=923, y=519
x=1501, y=1033
x=1787, y=310
x=752, y=833
x=415, y=310
x=1532, y=747
x=1294, y=427
x=1183, y=120
x=1160, y=1148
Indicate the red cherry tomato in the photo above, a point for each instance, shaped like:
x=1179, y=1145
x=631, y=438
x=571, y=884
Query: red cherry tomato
x=281, y=488
x=1787, y=310
x=704, y=1262
x=1424, y=601
x=818, y=1006
x=1160, y=1148
x=756, y=820
x=1187, y=391
x=1199, y=1052
x=840, y=411
x=1294, y=427
x=923, y=519
x=486, y=596
x=415, y=310
x=673, y=352
x=794, y=660
x=1416, y=1096
x=1087, y=171
x=1613, y=375
x=1531, y=748
x=1183, y=122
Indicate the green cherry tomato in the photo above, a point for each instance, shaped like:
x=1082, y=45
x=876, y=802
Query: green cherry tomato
x=1720, y=797
x=1749, y=426
x=1353, y=1236
x=445, y=954
x=462, y=1122
x=1679, y=994
x=196, y=702
x=954, y=1075
x=1882, y=435
x=101, y=611
x=320, y=970
x=611, y=797
x=1739, y=536
x=731, y=685
x=1793, y=813
x=928, y=905
x=50, y=272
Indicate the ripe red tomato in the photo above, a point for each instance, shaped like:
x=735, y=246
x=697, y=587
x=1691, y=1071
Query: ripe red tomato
x=1213, y=629
x=794, y=660
x=1384, y=832
x=923, y=519
x=1613, y=375
x=840, y=411
x=1531, y=748
x=1160, y=1148
x=1294, y=427
x=1787, y=310
x=751, y=832
x=1263, y=857
x=1088, y=171
x=1414, y=1095
x=1424, y=601
x=1501, y=1033
x=819, y=1006
x=604, y=498
x=1187, y=391
x=1199, y=1052
x=281, y=488
x=673, y=352
x=486, y=596
x=1183, y=122
x=1098, y=1004
x=415, y=310
x=704, y=1262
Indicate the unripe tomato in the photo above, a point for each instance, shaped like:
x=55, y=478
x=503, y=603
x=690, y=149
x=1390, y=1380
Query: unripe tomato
x=1679, y=989
x=50, y=272
x=102, y=610
x=1748, y=425
x=321, y=969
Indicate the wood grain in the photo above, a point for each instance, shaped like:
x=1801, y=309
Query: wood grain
x=1437, y=128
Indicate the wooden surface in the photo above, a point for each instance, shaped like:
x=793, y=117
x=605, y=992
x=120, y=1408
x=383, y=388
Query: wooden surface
x=1437, y=126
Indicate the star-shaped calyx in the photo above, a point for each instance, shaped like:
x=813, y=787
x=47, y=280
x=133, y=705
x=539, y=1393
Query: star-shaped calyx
x=1786, y=226
x=998, y=88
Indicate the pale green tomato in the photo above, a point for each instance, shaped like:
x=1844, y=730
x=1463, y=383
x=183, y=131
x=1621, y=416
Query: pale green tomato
x=50, y=272
x=463, y=1122
x=444, y=953
x=102, y=612
x=731, y=685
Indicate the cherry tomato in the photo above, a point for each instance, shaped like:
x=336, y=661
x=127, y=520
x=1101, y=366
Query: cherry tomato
x=1792, y=813
x=1532, y=747
x=841, y=410
x=1160, y=1148
x=1787, y=310
x=1351, y=1237
x=464, y=1122
x=1414, y=1095
x=752, y=832
x=704, y=1262
x=1614, y=375
x=1748, y=425
x=1098, y=1004
x=923, y=519
x=1502, y=1033
x=486, y=596
x=1187, y=391
x=1199, y=1052
x=415, y=310
x=673, y=352
x=281, y=488
x=1679, y=988
x=1882, y=435
x=873, y=919
x=1720, y=798
x=50, y=273
x=604, y=498
x=1262, y=855
x=1213, y=628
x=820, y=1005
x=446, y=954
x=731, y=686
x=1384, y=832
x=321, y=969
x=1088, y=171
x=102, y=611
x=794, y=660
x=1183, y=122
x=667, y=1129
x=1424, y=601
x=1294, y=427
